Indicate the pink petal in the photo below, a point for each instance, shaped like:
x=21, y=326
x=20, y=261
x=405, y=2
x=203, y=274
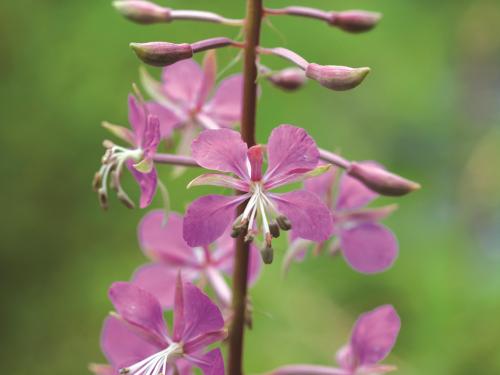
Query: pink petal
x=213, y=363
x=225, y=107
x=369, y=247
x=310, y=217
x=322, y=185
x=308, y=370
x=161, y=239
x=353, y=194
x=375, y=334
x=209, y=75
x=224, y=257
x=222, y=150
x=159, y=280
x=121, y=346
x=136, y=118
x=148, y=183
x=375, y=369
x=208, y=217
x=168, y=120
x=290, y=150
x=201, y=315
x=151, y=137
x=139, y=308
x=182, y=82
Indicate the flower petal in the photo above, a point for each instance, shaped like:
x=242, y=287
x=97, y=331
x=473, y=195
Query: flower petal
x=148, y=183
x=197, y=316
x=308, y=370
x=322, y=185
x=209, y=75
x=208, y=217
x=182, y=82
x=213, y=363
x=310, y=217
x=151, y=137
x=121, y=346
x=136, y=118
x=224, y=257
x=222, y=150
x=168, y=120
x=161, y=240
x=369, y=247
x=375, y=334
x=159, y=280
x=290, y=150
x=354, y=194
x=139, y=308
x=225, y=107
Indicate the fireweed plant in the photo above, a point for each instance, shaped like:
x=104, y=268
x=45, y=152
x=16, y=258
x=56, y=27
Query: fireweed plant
x=221, y=235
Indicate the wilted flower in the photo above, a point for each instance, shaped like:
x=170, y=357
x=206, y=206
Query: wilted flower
x=372, y=339
x=367, y=245
x=149, y=123
x=161, y=240
x=185, y=90
x=291, y=155
x=135, y=340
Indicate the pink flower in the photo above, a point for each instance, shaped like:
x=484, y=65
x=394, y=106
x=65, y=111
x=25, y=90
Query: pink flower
x=144, y=138
x=162, y=242
x=135, y=340
x=185, y=90
x=372, y=339
x=368, y=246
x=291, y=154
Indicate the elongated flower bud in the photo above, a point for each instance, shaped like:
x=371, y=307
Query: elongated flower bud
x=289, y=79
x=338, y=78
x=162, y=53
x=141, y=11
x=355, y=21
x=382, y=181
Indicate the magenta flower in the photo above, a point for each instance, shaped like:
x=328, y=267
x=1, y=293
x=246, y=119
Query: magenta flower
x=372, y=339
x=162, y=242
x=291, y=155
x=185, y=90
x=144, y=137
x=135, y=340
x=368, y=246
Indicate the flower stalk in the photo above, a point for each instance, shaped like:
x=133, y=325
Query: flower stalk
x=253, y=21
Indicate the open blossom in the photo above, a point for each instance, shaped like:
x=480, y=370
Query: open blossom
x=372, y=339
x=291, y=155
x=147, y=128
x=185, y=90
x=367, y=245
x=161, y=240
x=136, y=339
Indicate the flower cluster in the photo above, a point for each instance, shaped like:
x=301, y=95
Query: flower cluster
x=287, y=184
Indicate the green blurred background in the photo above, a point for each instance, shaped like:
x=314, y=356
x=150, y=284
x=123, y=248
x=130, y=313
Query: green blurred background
x=430, y=111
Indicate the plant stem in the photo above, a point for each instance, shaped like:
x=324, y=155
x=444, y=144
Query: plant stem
x=240, y=277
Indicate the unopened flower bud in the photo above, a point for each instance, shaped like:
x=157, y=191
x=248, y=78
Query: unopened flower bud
x=274, y=229
x=162, y=53
x=338, y=78
x=289, y=79
x=141, y=11
x=267, y=254
x=355, y=21
x=381, y=181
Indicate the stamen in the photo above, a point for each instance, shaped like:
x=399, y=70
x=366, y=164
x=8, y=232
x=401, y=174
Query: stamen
x=156, y=362
x=275, y=230
x=284, y=223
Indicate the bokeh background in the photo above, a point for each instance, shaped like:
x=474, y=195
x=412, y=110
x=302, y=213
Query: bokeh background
x=430, y=110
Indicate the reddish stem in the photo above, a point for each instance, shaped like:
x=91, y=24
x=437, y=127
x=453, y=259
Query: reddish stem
x=252, y=35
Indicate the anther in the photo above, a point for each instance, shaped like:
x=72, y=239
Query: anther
x=274, y=229
x=267, y=254
x=103, y=198
x=284, y=223
x=239, y=227
x=124, y=371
